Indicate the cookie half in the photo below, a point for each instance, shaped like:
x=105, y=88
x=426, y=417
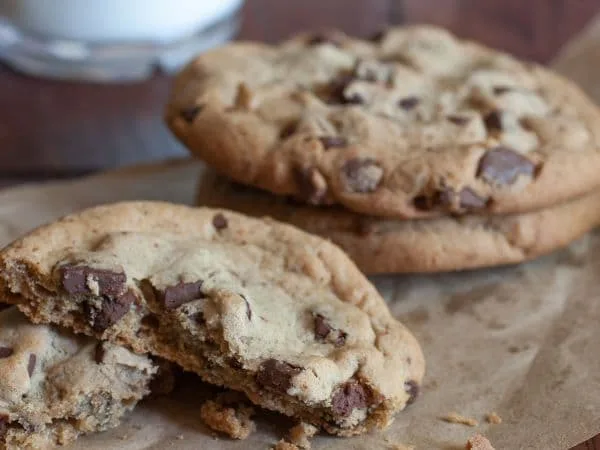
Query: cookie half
x=379, y=245
x=55, y=386
x=415, y=123
x=253, y=305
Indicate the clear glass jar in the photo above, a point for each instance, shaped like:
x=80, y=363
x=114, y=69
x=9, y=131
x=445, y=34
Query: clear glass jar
x=111, y=40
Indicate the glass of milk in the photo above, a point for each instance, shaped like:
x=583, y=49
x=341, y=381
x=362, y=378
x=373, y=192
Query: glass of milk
x=111, y=40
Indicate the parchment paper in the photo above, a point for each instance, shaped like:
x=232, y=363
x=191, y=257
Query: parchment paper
x=522, y=341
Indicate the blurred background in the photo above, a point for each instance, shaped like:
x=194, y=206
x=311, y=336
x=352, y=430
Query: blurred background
x=53, y=129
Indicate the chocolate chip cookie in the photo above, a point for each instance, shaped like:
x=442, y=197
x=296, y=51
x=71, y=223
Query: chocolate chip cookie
x=253, y=305
x=414, y=123
x=383, y=245
x=55, y=386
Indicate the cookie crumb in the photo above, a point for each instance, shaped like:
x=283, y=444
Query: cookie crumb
x=454, y=417
x=284, y=445
x=493, y=418
x=300, y=434
x=228, y=416
x=478, y=442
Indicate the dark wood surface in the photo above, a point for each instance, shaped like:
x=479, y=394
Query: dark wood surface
x=52, y=130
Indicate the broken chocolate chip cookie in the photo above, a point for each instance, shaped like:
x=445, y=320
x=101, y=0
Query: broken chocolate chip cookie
x=253, y=305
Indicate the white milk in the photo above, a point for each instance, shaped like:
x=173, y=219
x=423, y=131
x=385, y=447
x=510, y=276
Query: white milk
x=105, y=21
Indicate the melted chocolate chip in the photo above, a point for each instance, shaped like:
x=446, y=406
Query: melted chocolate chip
x=337, y=88
x=333, y=141
x=459, y=120
x=324, y=330
x=288, y=130
x=99, y=353
x=493, y=121
x=322, y=327
x=408, y=103
x=219, y=221
x=75, y=280
x=361, y=175
x=421, y=202
x=110, y=311
x=502, y=166
x=3, y=425
x=348, y=397
x=189, y=114
x=175, y=296
x=468, y=199
x=412, y=389
x=5, y=352
x=31, y=364
x=312, y=186
x=276, y=374
x=500, y=90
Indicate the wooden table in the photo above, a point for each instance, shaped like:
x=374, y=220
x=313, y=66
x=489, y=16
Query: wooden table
x=51, y=130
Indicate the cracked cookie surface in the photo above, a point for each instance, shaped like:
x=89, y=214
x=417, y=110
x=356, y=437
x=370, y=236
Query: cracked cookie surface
x=415, y=123
x=384, y=245
x=253, y=305
x=55, y=386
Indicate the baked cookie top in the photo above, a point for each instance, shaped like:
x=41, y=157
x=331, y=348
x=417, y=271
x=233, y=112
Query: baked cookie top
x=413, y=123
x=261, y=304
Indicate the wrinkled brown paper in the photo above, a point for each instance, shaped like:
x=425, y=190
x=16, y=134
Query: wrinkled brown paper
x=521, y=341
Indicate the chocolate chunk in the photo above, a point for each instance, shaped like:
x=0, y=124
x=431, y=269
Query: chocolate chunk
x=75, y=280
x=362, y=175
x=312, y=186
x=248, y=309
x=322, y=327
x=421, y=202
x=276, y=375
x=444, y=197
x=412, y=388
x=288, y=130
x=337, y=88
x=99, y=353
x=470, y=200
x=175, y=296
x=3, y=425
x=189, y=114
x=459, y=120
x=348, y=397
x=324, y=330
x=219, y=221
x=493, y=121
x=333, y=141
x=408, y=103
x=502, y=166
x=31, y=364
x=5, y=352
x=111, y=310
x=500, y=90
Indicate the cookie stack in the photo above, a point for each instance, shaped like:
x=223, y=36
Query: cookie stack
x=414, y=151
